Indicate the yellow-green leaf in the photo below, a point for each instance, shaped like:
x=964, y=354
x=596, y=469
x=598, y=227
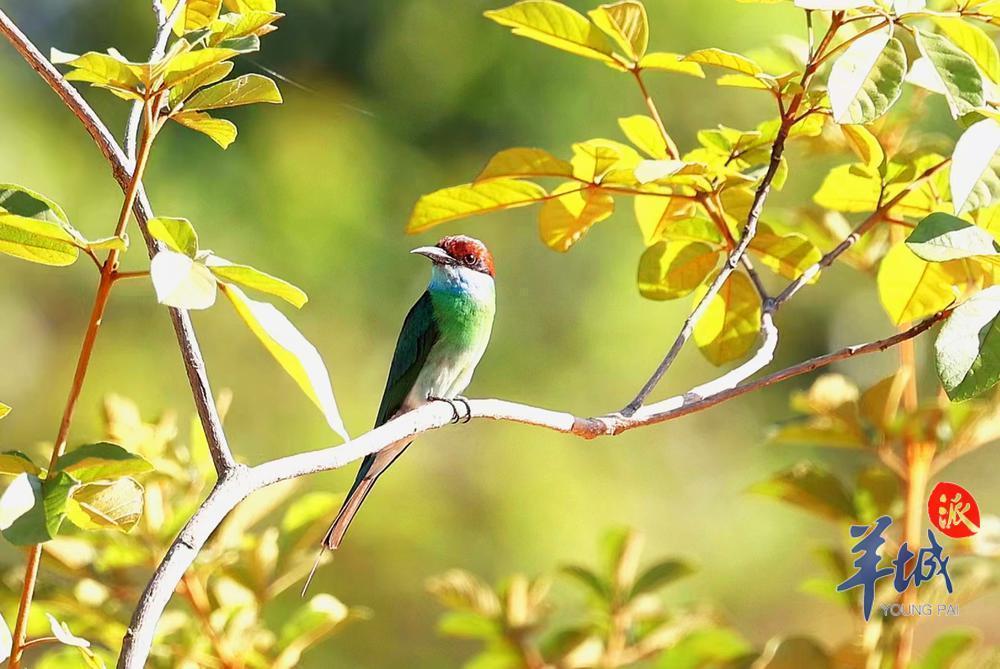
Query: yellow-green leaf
x=956, y=72
x=525, y=162
x=115, y=505
x=975, y=167
x=181, y=282
x=556, y=25
x=867, y=79
x=219, y=130
x=788, y=255
x=850, y=188
x=624, y=22
x=192, y=63
x=563, y=220
x=672, y=269
x=177, y=233
x=911, y=288
x=101, y=461
x=4, y=409
x=16, y=462
x=971, y=39
x=643, y=132
x=596, y=157
x=243, y=24
x=254, y=278
x=245, y=90
x=195, y=14
x=671, y=62
x=730, y=325
x=653, y=213
x=244, y=6
x=725, y=59
x=210, y=75
x=759, y=82
x=294, y=353
x=449, y=204
x=100, y=69
x=865, y=145
x=36, y=240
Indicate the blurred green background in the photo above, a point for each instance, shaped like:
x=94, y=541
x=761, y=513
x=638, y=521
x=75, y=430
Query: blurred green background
x=393, y=99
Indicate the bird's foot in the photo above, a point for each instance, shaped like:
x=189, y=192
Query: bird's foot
x=468, y=409
x=455, y=416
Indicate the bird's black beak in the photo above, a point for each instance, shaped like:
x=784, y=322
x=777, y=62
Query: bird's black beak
x=437, y=255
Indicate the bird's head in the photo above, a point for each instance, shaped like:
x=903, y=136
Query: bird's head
x=458, y=255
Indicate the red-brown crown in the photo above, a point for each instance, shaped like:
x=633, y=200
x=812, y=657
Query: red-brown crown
x=468, y=252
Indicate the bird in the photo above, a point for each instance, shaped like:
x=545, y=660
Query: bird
x=443, y=338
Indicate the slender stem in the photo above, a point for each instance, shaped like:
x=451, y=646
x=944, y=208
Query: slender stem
x=194, y=592
x=82, y=365
x=672, y=151
x=118, y=276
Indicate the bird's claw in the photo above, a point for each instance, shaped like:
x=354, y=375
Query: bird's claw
x=468, y=409
x=456, y=417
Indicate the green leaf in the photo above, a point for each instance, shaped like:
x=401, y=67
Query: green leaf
x=100, y=461
x=793, y=652
x=119, y=244
x=37, y=241
x=524, y=162
x=449, y=204
x=731, y=324
x=219, y=130
x=177, y=233
x=941, y=237
x=292, y=351
x=975, y=167
x=468, y=625
x=659, y=575
x=181, y=282
x=32, y=510
x=671, y=62
x=103, y=70
x=16, y=462
x=556, y=25
x=318, y=617
x=968, y=347
x=849, y=188
x=833, y=5
x=705, y=648
x=625, y=22
x=21, y=201
x=810, y=487
x=867, y=78
x=115, y=505
x=948, y=649
x=725, y=59
x=876, y=491
x=245, y=90
x=594, y=583
x=672, y=269
x=956, y=71
x=185, y=65
x=210, y=75
x=250, y=277
x=974, y=41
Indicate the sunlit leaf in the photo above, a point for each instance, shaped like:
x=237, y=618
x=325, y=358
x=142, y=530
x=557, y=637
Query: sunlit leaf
x=219, y=130
x=195, y=14
x=61, y=632
x=16, y=462
x=192, y=63
x=250, y=277
x=525, y=162
x=564, y=219
x=875, y=493
x=793, y=652
x=725, y=59
x=971, y=39
x=968, y=346
x=37, y=241
x=671, y=62
x=659, y=575
x=705, y=647
x=956, y=71
x=786, y=254
x=865, y=145
x=294, y=353
x=115, y=505
x=4, y=410
x=21, y=201
x=850, y=189
x=833, y=4
x=975, y=168
x=456, y=202
x=245, y=90
x=648, y=171
x=731, y=323
x=941, y=237
x=911, y=288
x=182, y=282
x=760, y=82
x=6, y=640
x=100, y=69
x=672, y=269
x=810, y=487
x=595, y=158
x=32, y=510
x=879, y=404
x=948, y=649
x=556, y=25
x=624, y=22
x=208, y=76
x=643, y=132
x=103, y=460
x=177, y=233
x=867, y=78
x=466, y=625
x=245, y=23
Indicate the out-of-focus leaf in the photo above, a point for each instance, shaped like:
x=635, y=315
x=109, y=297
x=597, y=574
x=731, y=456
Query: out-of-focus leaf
x=975, y=167
x=725, y=59
x=971, y=39
x=462, y=591
x=876, y=491
x=323, y=612
x=219, y=130
x=810, y=487
x=556, y=25
x=849, y=188
x=525, y=162
x=789, y=254
x=101, y=461
x=6, y=640
x=457, y=202
x=948, y=649
x=672, y=269
x=911, y=288
x=246, y=90
x=589, y=580
x=880, y=403
x=250, y=277
x=968, y=346
x=793, y=653
x=32, y=510
x=941, y=237
x=624, y=22
x=645, y=134
x=565, y=218
x=177, y=233
x=731, y=322
x=4, y=410
x=760, y=82
x=671, y=62
x=60, y=630
x=37, y=240
x=958, y=74
x=833, y=5
x=867, y=78
x=865, y=145
x=705, y=648
x=16, y=462
x=113, y=505
x=182, y=282
x=659, y=575
x=467, y=625
x=292, y=351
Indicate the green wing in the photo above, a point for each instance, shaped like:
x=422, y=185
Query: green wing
x=415, y=341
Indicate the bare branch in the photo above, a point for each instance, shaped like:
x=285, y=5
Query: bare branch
x=121, y=168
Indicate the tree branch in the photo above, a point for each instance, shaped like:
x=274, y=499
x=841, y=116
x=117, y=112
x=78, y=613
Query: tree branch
x=121, y=168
